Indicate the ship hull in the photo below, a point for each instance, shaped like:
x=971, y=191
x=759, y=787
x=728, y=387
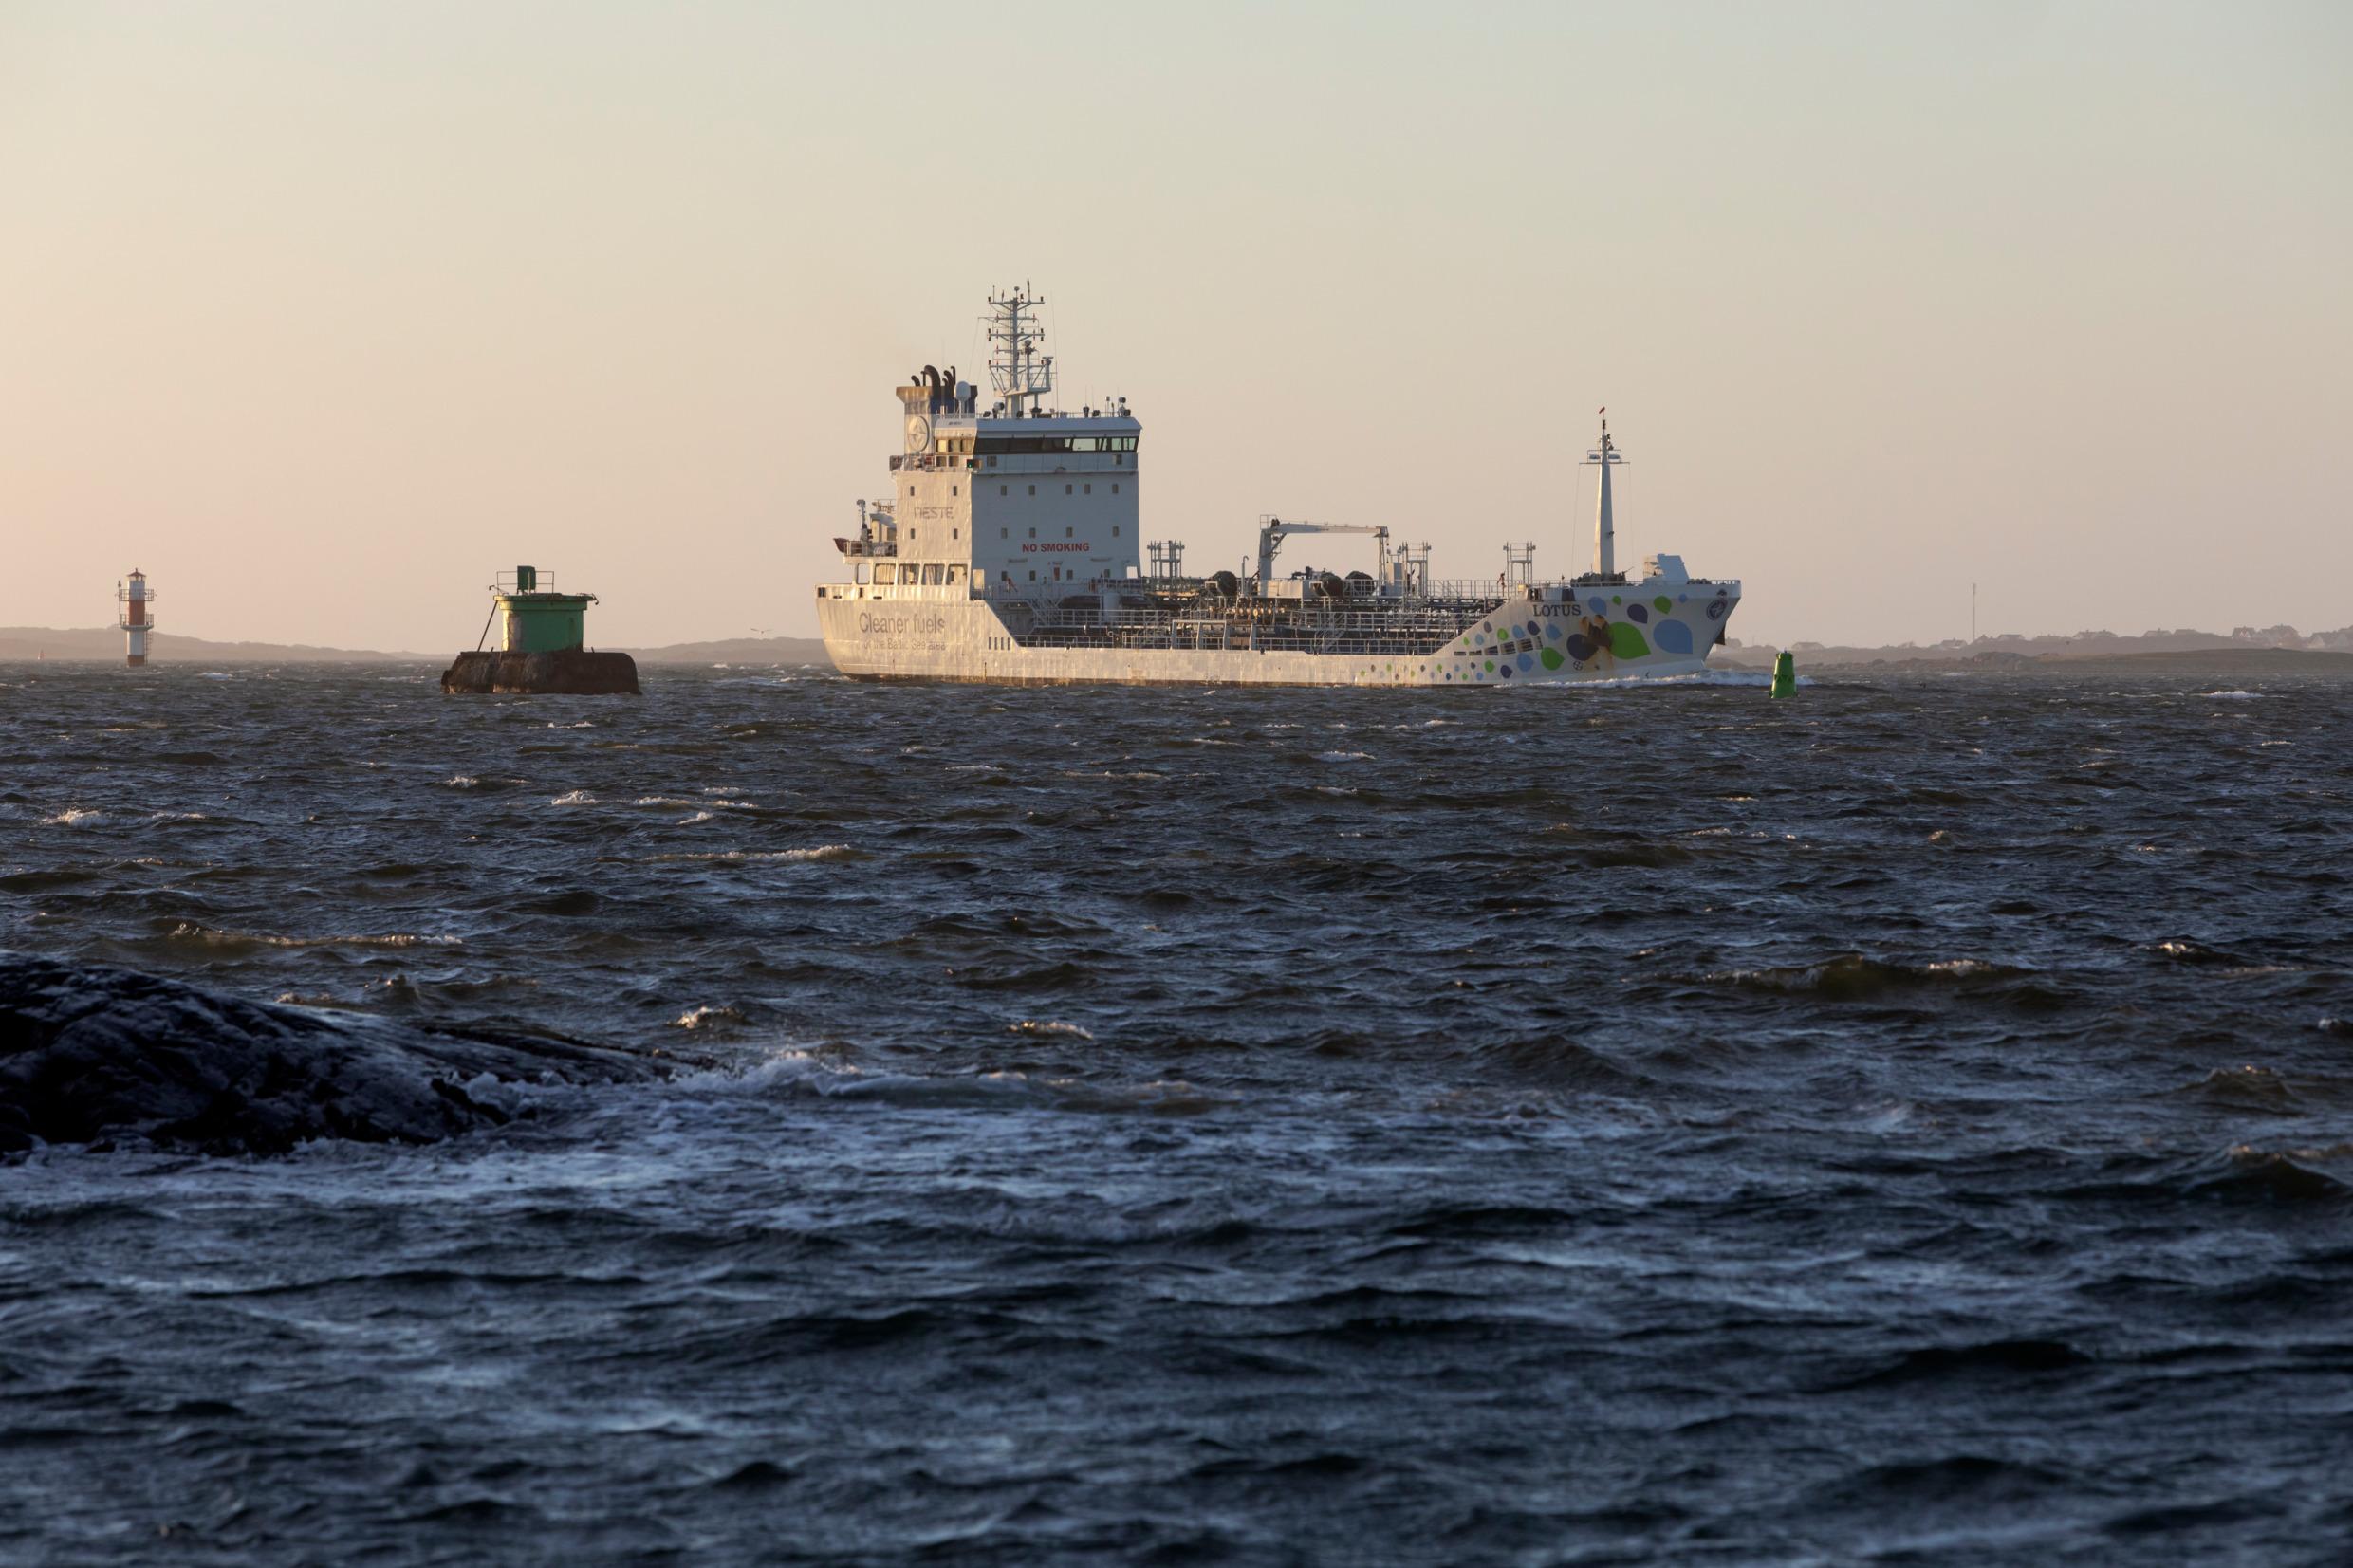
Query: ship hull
x=1642, y=630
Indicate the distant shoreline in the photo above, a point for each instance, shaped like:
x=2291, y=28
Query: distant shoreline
x=27, y=645
x=103, y=645
x=2146, y=661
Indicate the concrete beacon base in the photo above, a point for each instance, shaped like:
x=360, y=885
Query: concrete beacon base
x=572, y=672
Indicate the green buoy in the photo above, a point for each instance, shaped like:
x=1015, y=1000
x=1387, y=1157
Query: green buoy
x=1785, y=675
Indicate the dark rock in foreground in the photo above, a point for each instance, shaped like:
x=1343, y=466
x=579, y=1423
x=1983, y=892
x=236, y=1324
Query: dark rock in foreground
x=573, y=672
x=89, y=1053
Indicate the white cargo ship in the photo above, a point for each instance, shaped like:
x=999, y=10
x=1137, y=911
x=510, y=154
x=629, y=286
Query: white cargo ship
x=1010, y=552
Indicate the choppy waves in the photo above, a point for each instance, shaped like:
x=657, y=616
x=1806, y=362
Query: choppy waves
x=1258, y=1126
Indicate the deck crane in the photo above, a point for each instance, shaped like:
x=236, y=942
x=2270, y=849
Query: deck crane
x=1272, y=530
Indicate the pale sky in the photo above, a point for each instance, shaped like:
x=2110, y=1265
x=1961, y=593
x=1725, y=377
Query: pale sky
x=323, y=314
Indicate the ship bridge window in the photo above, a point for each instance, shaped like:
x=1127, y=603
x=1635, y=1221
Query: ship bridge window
x=1033, y=446
x=885, y=571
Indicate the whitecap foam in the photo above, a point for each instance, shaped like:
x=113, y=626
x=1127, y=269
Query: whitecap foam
x=577, y=797
x=823, y=851
x=1048, y=1026
x=73, y=816
x=1613, y=683
x=803, y=1072
x=185, y=932
x=799, y=1071
x=2234, y=697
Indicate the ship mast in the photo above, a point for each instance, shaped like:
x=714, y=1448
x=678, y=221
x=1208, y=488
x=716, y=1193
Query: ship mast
x=1604, y=457
x=1016, y=369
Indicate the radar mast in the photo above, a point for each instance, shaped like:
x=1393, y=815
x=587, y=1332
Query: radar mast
x=1016, y=369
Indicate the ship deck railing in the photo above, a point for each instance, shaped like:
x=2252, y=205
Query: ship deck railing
x=1392, y=628
x=1480, y=588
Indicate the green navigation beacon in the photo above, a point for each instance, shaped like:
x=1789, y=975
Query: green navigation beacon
x=542, y=644
x=539, y=621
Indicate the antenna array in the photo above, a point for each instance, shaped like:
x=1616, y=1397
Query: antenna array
x=1016, y=367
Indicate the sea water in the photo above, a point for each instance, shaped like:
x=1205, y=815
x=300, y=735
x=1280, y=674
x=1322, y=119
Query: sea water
x=1910, y=1121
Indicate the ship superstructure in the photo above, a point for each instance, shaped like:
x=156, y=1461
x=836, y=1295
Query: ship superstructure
x=1010, y=550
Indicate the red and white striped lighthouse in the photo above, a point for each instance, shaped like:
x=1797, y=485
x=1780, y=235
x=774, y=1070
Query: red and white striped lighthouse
x=135, y=620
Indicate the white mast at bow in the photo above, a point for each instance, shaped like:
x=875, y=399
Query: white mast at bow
x=1604, y=457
